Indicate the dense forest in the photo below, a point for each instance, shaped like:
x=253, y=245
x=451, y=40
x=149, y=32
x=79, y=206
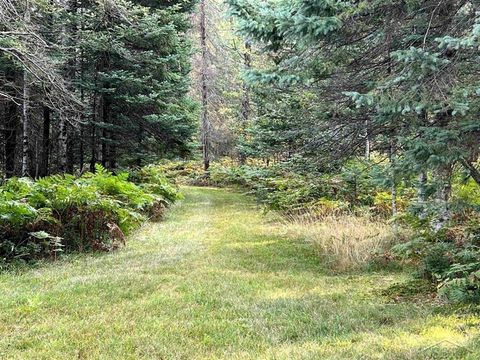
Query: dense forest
x=331, y=142
x=86, y=82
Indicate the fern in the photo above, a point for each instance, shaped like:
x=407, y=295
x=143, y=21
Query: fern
x=64, y=213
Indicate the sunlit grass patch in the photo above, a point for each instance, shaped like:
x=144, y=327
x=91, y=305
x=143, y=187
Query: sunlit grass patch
x=215, y=281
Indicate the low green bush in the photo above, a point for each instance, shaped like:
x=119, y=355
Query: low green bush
x=63, y=213
x=286, y=191
x=450, y=257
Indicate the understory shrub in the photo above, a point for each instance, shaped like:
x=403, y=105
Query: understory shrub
x=64, y=213
x=349, y=191
x=449, y=257
x=180, y=172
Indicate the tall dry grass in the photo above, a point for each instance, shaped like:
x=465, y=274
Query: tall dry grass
x=345, y=242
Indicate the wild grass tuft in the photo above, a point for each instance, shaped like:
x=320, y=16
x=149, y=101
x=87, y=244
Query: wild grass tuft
x=345, y=242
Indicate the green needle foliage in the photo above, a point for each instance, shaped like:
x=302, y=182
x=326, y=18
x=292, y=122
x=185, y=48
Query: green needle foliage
x=395, y=80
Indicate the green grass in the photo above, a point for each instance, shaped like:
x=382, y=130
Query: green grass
x=217, y=281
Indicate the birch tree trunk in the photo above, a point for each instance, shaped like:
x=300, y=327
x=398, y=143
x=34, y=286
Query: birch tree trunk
x=11, y=126
x=25, y=125
x=204, y=85
x=367, y=141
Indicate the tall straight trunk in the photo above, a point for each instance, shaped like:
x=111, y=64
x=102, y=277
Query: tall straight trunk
x=93, y=146
x=70, y=155
x=245, y=110
x=62, y=126
x=112, y=154
x=25, y=127
x=444, y=173
x=24, y=111
x=106, y=115
x=36, y=170
x=11, y=125
x=367, y=141
x=93, y=135
x=93, y=126
x=443, y=195
x=81, y=150
x=392, y=156
x=81, y=155
x=62, y=145
x=421, y=189
x=44, y=168
x=67, y=128
x=104, y=148
x=204, y=84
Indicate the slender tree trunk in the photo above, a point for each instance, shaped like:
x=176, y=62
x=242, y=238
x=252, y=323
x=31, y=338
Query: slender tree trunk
x=443, y=195
x=25, y=127
x=113, y=147
x=93, y=135
x=204, y=81
x=392, y=155
x=44, y=168
x=10, y=138
x=367, y=141
x=421, y=193
x=37, y=160
x=70, y=151
x=62, y=145
x=81, y=150
x=93, y=130
x=81, y=156
x=445, y=191
x=104, y=148
x=112, y=155
x=106, y=122
x=245, y=111
x=93, y=145
x=24, y=111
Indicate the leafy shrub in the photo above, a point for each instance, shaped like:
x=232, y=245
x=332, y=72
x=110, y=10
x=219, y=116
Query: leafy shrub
x=382, y=203
x=63, y=213
x=281, y=189
x=153, y=179
x=181, y=172
x=450, y=257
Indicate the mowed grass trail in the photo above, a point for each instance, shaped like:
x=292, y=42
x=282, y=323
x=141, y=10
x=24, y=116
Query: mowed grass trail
x=218, y=281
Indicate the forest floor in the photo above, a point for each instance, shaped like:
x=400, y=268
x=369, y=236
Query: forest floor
x=218, y=280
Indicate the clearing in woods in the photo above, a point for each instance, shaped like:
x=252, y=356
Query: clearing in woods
x=216, y=280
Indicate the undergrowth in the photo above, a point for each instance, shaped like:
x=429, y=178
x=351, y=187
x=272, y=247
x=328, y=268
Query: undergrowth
x=94, y=212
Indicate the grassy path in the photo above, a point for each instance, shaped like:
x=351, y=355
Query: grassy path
x=215, y=281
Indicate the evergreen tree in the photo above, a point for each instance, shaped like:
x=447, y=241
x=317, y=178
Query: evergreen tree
x=84, y=79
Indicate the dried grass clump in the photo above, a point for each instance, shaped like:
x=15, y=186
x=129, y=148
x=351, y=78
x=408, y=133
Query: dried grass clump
x=346, y=242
